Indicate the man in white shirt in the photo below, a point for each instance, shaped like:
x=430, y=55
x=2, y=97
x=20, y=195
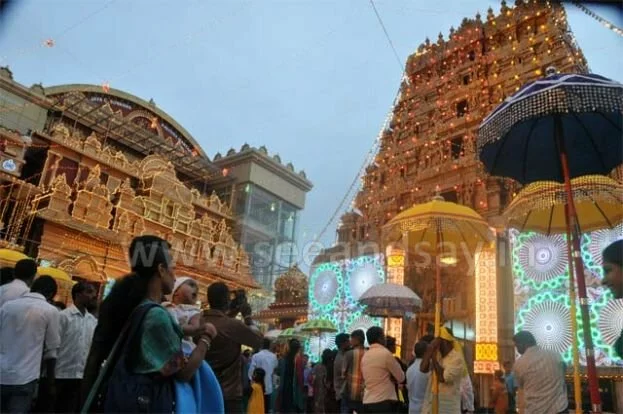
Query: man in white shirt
x=266, y=360
x=76, y=330
x=29, y=334
x=25, y=271
x=540, y=374
x=417, y=381
x=7, y=275
x=380, y=372
x=445, y=357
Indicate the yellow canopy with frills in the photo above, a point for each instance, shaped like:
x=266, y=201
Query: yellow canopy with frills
x=8, y=256
x=439, y=228
x=430, y=225
x=540, y=206
x=55, y=273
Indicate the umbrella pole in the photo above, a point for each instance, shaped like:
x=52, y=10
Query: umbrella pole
x=572, y=218
x=435, y=407
x=319, y=346
x=577, y=385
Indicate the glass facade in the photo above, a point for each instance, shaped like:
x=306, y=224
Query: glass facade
x=268, y=232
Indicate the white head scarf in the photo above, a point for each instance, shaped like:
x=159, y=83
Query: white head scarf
x=179, y=281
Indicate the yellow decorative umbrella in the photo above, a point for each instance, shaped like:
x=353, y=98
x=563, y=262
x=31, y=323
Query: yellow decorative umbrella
x=438, y=222
x=440, y=228
x=10, y=257
x=55, y=273
x=542, y=207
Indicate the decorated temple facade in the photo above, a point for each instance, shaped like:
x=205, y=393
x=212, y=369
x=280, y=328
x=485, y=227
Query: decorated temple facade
x=86, y=168
x=428, y=148
x=290, y=306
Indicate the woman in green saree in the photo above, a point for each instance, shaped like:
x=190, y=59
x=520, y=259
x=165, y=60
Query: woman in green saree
x=291, y=398
x=157, y=349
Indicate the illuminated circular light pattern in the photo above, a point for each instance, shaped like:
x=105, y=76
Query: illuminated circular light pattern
x=610, y=322
x=363, y=322
x=593, y=246
x=606, y=326
x=325, y=286
x=539, y=260
x=605, y=315
x=323, y=315
x=332, y=289
x=315, y=346
x=547, y=316
x=361, y=274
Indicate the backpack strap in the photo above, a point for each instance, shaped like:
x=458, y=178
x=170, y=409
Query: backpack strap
x=130, y=347
x=127, y=333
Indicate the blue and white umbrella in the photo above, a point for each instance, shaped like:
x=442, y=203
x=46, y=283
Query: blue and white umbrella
x=558, y=128
x=578, y=114
x=390, y=300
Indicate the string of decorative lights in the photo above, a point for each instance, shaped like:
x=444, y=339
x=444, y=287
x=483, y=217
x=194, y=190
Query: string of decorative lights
x=420, y=145
x=370, y=155
x=389, y=40
x=63, y=169
x=607, y=24
x=84, y=19
x=68, y=251
x=50, y=42
x=84, y=235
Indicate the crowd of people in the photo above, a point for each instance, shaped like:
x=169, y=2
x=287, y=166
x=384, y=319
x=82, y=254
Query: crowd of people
x=152, y=349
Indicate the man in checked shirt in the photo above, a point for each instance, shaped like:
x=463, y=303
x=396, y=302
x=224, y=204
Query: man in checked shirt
x=353, y=380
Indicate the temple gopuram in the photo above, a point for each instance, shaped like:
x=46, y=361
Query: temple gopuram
x=428, y=149
x=85, y=168
x=290, y=305
x=450, y=85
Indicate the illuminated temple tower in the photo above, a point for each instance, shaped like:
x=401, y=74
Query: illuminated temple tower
x=450, y=85
x=428, y=148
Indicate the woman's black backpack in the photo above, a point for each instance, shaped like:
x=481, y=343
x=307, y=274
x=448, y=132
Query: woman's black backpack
x=124, y=391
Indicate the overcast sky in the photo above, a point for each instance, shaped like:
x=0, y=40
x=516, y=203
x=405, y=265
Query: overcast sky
x=311, y=80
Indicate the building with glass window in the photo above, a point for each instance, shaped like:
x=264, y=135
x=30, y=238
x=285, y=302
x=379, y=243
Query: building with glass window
x=267, y=197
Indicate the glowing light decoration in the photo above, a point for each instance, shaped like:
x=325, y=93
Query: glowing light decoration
x=595, y=244
x=610, y=326
x=325, y=286
x=333, y=287
x=610, y=321
x=396, y=261
x=360, y=321
x=395, y=274
x=361, y=274
x=108, y=287
x=541, y=261
x=606, y=326
x=315, y=346
x=548, y=317
x=544, y=308
x=486, y=360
